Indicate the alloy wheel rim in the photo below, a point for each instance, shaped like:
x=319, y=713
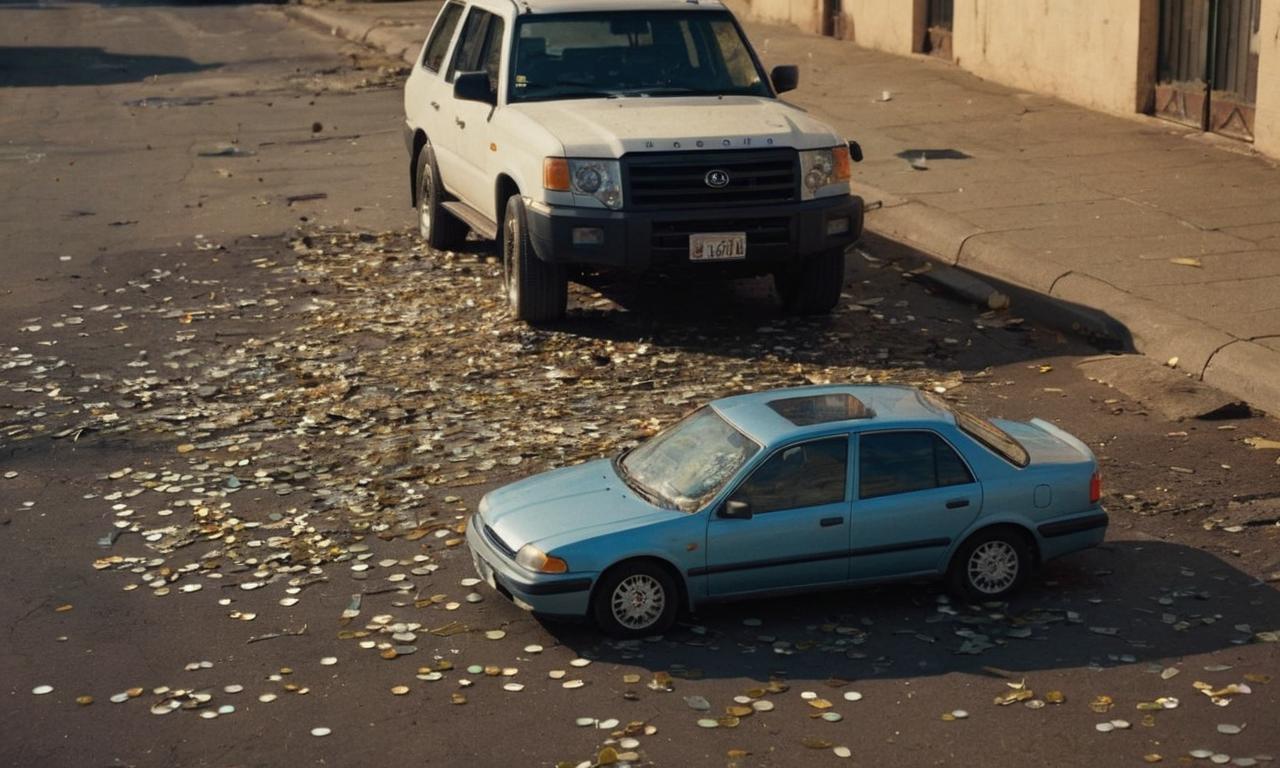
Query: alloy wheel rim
x=424, y=205
x=638, y=601
x=993, y=567
x=509, y=281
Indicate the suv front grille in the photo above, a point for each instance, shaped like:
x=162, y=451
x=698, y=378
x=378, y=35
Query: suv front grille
x=679, y=179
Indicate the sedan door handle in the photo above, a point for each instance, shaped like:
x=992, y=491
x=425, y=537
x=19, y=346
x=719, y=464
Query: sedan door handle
x=435, y=105
x=957, y=503
x=461, y=123
x=827, y=522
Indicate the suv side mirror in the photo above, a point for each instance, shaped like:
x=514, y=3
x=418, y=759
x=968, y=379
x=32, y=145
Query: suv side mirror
x=474, y=86
x=785, y=77
x=855, y=151
x=736, y=510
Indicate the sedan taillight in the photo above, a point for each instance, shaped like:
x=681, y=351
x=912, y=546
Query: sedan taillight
x=1095, y=487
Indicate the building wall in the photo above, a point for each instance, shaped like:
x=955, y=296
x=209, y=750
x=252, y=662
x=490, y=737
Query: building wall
x=1267, y=119
x=1085, y=51
x=801, y=13
x=884, y=26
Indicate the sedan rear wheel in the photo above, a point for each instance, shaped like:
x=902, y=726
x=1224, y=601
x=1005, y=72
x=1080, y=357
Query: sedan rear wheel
x=636, y=599
x=990, y=566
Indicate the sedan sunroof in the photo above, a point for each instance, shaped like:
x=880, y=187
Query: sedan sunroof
x=820, y=409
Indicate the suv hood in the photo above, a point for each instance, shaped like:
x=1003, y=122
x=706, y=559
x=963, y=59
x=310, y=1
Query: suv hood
x=566, y=504
x=612, y=127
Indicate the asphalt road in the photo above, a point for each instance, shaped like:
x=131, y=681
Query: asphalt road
x=223, y=344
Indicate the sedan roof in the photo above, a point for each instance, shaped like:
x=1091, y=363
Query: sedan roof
x=758, y=414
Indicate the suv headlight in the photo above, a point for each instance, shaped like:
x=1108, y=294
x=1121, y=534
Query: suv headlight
x=597, y=179
x=821, y=168
x=535, y=559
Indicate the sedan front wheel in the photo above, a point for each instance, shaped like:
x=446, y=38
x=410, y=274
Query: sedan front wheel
x=635, y=600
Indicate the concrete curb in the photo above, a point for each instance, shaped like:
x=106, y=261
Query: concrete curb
x=1054, y=294
x=1084, y=303
x=393, y=40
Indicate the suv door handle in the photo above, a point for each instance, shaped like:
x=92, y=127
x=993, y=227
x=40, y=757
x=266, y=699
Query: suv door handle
x=827, y=522
x=957, y=503
x=461, y=123
x=435, y=105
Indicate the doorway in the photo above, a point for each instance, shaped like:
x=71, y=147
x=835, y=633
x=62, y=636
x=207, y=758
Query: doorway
x=1207, y=64
x=832, y=20
x=937, y=28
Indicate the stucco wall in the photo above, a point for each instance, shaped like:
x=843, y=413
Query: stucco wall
x=880, y=25
x=801, y=13
x=1267, y=120
x=1086, y=51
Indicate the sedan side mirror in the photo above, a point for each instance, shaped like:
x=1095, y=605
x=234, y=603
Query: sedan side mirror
x=785, y=77
x=474, y=86
x=736, y=510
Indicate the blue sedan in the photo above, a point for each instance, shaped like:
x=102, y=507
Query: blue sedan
x=787, y=491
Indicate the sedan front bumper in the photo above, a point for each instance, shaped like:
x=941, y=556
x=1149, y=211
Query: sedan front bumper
x=565, y=595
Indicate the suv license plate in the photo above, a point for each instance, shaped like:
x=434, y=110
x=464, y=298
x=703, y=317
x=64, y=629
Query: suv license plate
x=718, y=246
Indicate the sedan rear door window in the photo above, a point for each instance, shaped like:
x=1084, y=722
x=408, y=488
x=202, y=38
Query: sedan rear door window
x=902, y=462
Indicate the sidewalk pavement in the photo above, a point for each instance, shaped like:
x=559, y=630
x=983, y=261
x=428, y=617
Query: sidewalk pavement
x=1162, y=238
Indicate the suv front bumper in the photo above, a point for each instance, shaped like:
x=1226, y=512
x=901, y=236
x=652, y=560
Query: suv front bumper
x=778, y=236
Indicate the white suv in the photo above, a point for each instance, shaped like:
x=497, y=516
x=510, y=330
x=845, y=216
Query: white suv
x=640, y=135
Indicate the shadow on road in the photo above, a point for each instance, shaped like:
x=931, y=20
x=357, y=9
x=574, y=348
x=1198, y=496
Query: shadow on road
x=44, y=66
x=1125, y=602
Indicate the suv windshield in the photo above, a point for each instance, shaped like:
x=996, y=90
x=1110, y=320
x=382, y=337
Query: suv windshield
x=632, y=53
x=689, y=462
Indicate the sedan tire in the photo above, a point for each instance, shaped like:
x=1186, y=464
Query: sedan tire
x=636, y=600
x=990, y=565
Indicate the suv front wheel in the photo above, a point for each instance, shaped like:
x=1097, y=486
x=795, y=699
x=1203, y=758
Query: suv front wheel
x=437, y=226
x=814, y=287
x=537, y=292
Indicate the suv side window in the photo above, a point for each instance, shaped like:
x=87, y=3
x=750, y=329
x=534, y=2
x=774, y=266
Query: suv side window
x=902, y=462
x=466, y=56
x=805, y=475
x=441, y=36
x=491, y=56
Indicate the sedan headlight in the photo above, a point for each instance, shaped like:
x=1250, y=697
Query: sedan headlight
x=821, y=168
x=600, y=180
x=535, y=559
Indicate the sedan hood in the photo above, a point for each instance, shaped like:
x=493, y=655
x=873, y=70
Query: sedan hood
x=613, y=127
x=570, y=503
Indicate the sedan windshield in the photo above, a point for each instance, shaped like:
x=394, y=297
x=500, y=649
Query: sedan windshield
x=686, y=464
x=632, y=53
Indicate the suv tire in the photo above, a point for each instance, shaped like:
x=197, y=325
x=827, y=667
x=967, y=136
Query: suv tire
x=537, y=292
x=437, y=226
x=814, y=288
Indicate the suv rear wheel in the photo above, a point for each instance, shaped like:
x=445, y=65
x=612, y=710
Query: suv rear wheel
x=537, y=292
x=814, y=288
x=437, y=226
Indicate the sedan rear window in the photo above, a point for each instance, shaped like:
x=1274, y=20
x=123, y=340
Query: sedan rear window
x=903, y=462
x=992, y=437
